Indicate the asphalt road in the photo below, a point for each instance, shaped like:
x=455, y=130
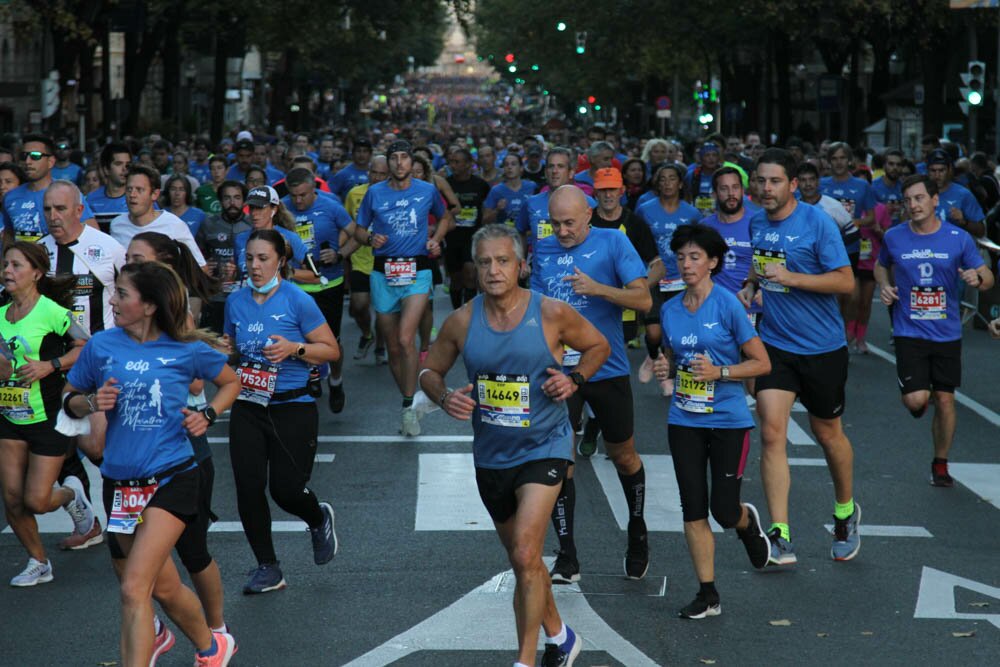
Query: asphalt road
x=421, y=579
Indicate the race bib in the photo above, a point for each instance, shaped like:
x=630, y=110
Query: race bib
x=672, y=285
x=704, y=203
x=467, y=217
x=692, y=395
x=15, y=401
x=28, y=238
x=571, y=357
x=504, y=400
x=79, y=315
x=127, y=507
x=928, y=303
x=866, y=249
x=306, y=232
x=257, y=382
x=763, y=259
x=544, y=230
x=401, y=272
x=628, y=315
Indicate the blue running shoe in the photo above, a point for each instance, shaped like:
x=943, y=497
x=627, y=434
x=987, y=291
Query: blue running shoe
x=324, y=538
x=563, y=655
x=782, y=551
x=264, y=578
x=846, y=538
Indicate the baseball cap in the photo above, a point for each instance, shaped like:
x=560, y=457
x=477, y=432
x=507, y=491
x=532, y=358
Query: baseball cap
x=244, y=135
x=399, y=146
x=534, y=150
x=265, y=195
x=244, y=145
x=607, y=178
x=938, y=156
x=362, y=143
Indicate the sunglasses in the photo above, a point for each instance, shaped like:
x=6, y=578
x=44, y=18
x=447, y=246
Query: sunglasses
x=34, y=155
x=63, y=147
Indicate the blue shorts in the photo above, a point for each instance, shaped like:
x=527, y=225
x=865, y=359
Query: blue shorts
x=388, y=299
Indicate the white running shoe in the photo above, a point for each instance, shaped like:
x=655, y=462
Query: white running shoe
x=36, y=573
x=79, y=508
x=411, y=422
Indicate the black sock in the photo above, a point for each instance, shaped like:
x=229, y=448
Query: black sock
x=407, y=401
x=562, y=517
x=939, y=460
x=634, y=486
x=456, y=297
x=652, y=349
x=708, y=592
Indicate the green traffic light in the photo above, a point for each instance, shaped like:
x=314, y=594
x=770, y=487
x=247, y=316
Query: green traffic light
x=561, y=27
x=582, y=109
x=580, y=50
x=597, y=107
x=534, y=68
x=975, y=98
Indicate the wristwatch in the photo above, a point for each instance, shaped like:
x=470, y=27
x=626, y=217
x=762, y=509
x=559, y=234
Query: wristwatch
x=577, y=379
x=210, y=414
x=300, y=351
x=56, y=365
x=724, y=373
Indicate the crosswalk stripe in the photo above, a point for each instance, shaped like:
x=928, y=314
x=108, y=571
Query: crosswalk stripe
x=983, y=479
x=889, y=531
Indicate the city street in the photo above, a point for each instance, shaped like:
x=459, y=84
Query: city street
x=421, y=579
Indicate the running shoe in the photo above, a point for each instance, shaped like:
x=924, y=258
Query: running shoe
x=646, y=370
x=337, y=397
x=76, y=541
x=324, y=538
x=36, y=573
x=364, y=345
x=588, y=442
x=940, y=476
x=225, y=644
x=562, y=655
x=162, y=642
x=264, y=579
x=380, y=357
x=861, y=346
x=411, y=422
x=755, y=539
x=79, y=508
x=566, y=569
x=701, y=607
x=636, y=561
x=846, y=538
x=667, y=388
x=782, y=551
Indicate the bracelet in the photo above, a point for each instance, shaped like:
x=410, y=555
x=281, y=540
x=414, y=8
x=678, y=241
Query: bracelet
x=444, y=397
x=91, y=398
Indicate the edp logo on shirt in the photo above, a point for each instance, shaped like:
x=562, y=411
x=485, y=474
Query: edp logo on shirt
x=140, y=366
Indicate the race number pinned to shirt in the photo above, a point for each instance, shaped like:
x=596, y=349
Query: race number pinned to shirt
x=400, y=272
x=704, y=203
x=127, y=507
x=467, y=217
x=306, y=232
x=866, y=249
x=672, y=284
x=504, y=400
x=693, y=395
x=257, y=382
x=544, y=230
x=928, y=303
x=571, y=357
x=15, y=401
x=764, y=258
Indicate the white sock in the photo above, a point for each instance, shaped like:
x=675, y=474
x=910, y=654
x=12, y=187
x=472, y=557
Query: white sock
x=334, y=383
x=222, y=629
x=157, y=625
x=559, y=638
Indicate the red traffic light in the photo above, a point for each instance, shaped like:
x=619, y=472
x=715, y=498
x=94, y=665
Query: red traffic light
x=509, y=57
x=591, y=99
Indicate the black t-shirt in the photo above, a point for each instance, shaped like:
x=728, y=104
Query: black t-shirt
x=635, y=228
x=537, y=177
x=471, y=195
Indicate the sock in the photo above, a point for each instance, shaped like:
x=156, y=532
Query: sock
x=157, y=624
x=634, y=486
x=708, y=592
x=939, y=460
x=843, y=510
x=562, y=517
x=652, y=349
x=334, y=383
x=210, y=651
x=222, y=629
x=407, y=401
x=860, y=331
x=783, y=527
x=456, y=298
x=852, y=330
x=557, y=639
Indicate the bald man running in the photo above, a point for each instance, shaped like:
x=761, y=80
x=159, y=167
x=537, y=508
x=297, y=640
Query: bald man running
x=599, y=273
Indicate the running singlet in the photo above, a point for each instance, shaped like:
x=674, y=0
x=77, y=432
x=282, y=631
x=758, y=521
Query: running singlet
x=717, y=330
x=319, y=227
x=23, y=215
x=401, y=215
x=514, y=421
x=361, y=259
x=291, y=238
x=739, y=257
x=930, y=288
x=663, y=225
x=472, y=194
x=854, y=194
x=39, y=335
x=515, y=201
x=288, y=312
x=94, y=258
x=607, y=256
x=807, y=241
x=953, y=196
x=534, y=217
x=145, y=428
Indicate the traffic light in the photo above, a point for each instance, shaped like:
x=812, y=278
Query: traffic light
x=591, y=99
x=581, y=43
x=974, y=79
x=561, y=26
x=509, y=57
x=705, y=118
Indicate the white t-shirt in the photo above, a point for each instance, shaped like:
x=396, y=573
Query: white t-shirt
x=122, y=230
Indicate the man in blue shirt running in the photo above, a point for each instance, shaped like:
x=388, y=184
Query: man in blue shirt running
x=800, y=264
x=955, y=203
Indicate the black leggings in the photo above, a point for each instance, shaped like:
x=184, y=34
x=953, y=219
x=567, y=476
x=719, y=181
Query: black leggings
x=692, y=450
x=273, y=447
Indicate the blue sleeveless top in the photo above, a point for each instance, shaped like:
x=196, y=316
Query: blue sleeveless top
x=514, y=421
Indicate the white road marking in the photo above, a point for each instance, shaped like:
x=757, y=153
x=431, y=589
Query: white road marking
x=375, y=438
x=447, y=495
x=961, y=398
x=936, y=598
x=797, y=435
x=795, y=461
x=983, y=479
x=325, y=458
x=483, y=620
x=276, y=527
x=889, y=531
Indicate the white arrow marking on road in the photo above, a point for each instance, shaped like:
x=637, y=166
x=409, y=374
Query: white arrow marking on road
x=983, y=479
x=447, y=494
x=483, y=620
x=936, y=598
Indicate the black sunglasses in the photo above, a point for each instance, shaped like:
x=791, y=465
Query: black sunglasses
x=34, y=155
